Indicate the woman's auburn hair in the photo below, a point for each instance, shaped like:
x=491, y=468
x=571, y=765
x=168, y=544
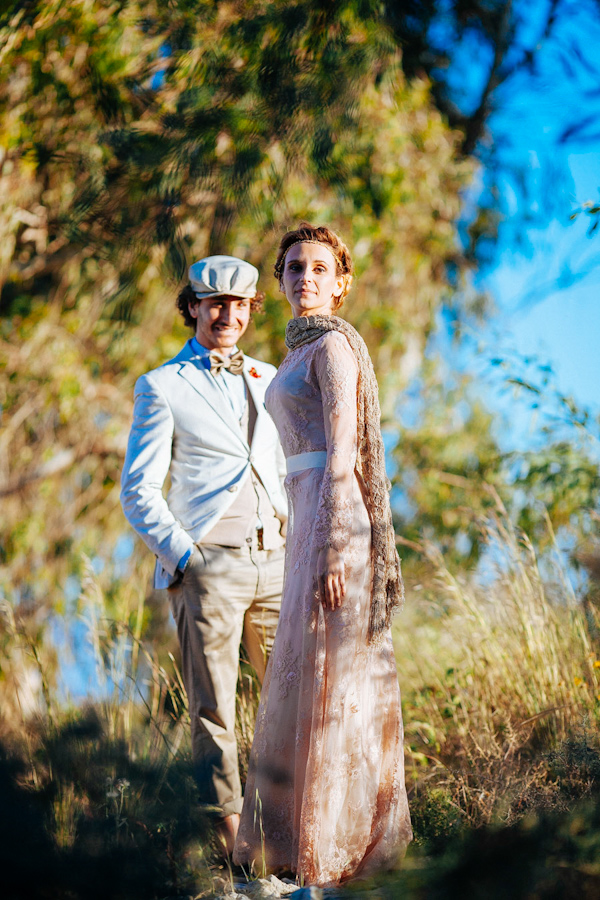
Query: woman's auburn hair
x=320, y=234
x=186, y=296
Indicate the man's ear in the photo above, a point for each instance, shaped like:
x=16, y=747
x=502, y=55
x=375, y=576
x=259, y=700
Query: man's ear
x=193, y=308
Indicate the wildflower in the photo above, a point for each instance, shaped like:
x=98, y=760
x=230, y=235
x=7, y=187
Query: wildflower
x=597, y=663
x=577, y=681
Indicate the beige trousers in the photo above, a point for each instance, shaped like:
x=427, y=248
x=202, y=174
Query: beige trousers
x=227, y=597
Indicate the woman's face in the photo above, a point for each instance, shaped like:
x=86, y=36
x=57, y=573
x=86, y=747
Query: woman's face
x=310, y=281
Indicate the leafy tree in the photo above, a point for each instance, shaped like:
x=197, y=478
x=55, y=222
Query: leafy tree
x=138, y=138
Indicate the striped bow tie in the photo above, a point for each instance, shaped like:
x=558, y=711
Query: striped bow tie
x=233, y=363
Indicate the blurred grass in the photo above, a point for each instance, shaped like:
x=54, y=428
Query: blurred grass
x=496, y=676
x=501, y=694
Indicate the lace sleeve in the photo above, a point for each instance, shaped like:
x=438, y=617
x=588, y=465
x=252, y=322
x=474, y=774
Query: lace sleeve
x=337, y=373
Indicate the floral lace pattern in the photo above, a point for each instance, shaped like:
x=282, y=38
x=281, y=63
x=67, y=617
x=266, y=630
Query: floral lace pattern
x=287, y=673
x=325, y=793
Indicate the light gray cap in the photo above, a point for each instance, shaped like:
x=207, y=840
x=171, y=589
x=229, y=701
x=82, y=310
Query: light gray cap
x=217, y=276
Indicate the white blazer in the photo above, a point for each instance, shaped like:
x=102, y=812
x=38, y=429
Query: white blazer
x=182, y=426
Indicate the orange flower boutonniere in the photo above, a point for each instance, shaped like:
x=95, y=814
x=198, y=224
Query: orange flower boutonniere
x=254, y=373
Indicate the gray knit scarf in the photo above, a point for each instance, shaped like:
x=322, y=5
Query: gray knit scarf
x=387, y=593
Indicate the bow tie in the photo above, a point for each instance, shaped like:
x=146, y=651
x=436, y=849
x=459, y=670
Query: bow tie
x=233, y=363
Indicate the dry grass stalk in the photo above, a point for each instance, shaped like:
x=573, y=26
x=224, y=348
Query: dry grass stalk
x=494, y=674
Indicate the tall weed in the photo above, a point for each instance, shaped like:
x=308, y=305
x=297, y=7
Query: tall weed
x=501, y=684
x=107, y=787
x=497, y=674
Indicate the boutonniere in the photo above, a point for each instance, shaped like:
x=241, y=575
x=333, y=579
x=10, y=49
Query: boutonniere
x=254, y=373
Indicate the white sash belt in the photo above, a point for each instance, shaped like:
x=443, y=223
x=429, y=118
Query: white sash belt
x=315, y=459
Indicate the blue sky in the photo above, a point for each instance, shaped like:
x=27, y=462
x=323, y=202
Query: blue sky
x=544, y=273
x=559, y=324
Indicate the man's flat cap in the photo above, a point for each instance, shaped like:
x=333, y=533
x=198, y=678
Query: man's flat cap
x=218, y=276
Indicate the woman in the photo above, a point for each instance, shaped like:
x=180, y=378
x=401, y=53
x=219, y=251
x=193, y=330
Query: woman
x=325, y=795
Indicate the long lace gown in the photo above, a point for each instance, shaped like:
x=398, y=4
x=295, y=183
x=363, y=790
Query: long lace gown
x=325, y=793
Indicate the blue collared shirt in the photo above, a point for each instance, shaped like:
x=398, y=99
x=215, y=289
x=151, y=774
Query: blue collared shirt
x=231, y=386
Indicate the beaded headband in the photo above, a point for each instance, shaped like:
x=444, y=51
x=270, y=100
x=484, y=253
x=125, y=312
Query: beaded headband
x=279, y=267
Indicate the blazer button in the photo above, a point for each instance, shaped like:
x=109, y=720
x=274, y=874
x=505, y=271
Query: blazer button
x=232, y=489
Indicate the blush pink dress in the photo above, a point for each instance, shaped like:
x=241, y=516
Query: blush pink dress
x=325, y=794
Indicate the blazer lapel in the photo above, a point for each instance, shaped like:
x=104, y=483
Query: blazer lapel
x=257, y=394
x=204, y=383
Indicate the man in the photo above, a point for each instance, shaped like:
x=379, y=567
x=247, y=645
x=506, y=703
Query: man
x=218, y=536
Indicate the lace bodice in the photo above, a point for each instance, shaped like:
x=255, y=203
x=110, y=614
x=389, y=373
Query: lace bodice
x=313, y=402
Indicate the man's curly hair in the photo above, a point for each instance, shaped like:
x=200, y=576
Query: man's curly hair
x=187, y=296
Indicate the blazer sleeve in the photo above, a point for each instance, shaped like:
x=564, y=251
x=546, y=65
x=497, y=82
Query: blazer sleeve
x=147, y=463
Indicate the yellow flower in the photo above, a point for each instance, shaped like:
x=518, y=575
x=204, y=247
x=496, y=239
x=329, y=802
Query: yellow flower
x=597, y=663
x=577, y=681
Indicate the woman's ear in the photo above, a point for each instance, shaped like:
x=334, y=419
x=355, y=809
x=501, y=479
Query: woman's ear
x=340, y=283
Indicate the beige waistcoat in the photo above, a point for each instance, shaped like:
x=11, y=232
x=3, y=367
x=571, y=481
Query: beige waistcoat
x=250, y=509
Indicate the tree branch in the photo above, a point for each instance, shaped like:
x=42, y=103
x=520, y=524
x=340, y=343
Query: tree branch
x=61, y=461
x=474, y=124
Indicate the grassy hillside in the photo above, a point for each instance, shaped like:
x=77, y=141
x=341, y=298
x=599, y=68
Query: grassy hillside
x=501, y=689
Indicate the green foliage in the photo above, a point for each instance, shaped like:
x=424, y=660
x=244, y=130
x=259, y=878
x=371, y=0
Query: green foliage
x=548, y=855
x=496, y=681
x=97, y=819
x=138, y=137
x=135, y=138
x=435, y=818
x=453, y=462
x=447, y=462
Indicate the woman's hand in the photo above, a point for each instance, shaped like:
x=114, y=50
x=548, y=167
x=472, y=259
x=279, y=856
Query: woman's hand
x=331, y=577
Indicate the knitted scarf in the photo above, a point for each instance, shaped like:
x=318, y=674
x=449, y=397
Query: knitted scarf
x=387, y=594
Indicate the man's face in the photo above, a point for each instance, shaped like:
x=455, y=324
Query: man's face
x=220, y=321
